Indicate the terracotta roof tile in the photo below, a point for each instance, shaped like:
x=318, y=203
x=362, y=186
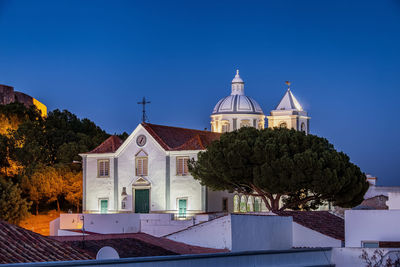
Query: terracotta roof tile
x=135, y=245
x=18, y=245
x=323, y=222
x=175, y=138
x=110, y=145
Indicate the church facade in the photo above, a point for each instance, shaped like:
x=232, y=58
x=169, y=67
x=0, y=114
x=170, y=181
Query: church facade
x=148, y=172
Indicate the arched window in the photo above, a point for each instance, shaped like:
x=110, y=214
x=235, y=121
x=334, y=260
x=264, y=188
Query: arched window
x=244, y=123
x=243, y=203
x=303, y=127
x=225, y=127
x=257, y=204
x=236, y=203
x=260, y=125
x=250, y=203
x=283, y=125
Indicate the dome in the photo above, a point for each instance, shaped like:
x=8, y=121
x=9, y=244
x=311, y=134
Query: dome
x=237, y=102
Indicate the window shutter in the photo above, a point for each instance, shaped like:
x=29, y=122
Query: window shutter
x=145, y=167
x=106, y=168
x=139, y=167
x=179, y=167
x=185, y=166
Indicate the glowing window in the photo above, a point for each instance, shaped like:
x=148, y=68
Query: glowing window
x=103, y=168
x=303, y=127
x=283, y=125
x=245, y=123
x=225, y=127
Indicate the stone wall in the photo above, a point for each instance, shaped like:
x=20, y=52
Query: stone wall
x=8, y=95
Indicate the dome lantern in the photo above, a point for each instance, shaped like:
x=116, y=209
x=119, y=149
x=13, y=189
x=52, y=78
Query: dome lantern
x=237, y=85
x=236, y=110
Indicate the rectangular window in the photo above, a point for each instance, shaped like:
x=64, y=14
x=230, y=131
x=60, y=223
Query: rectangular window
x=370, y=244
x=103, y=168
x=224, y=204
x=141, y=166
x=182, y=166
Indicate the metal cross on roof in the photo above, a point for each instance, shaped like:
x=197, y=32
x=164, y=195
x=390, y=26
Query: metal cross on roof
x=143, y=103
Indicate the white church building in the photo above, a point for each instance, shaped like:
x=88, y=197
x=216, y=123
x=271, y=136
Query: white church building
x=148, y=172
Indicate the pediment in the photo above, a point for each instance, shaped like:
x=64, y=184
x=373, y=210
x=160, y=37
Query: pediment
x=141, y=153
x=141, y=181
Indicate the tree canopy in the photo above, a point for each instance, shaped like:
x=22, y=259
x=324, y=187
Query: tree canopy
x=37, y=156
x=286, y=168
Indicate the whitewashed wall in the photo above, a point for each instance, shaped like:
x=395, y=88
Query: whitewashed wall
x=240, y=233
x=102, y=223
x=212, y=234
x=184, y=186
x=214, y=200
x=371, y=225
x=304, y=237
x=98, y=188
x=394, y=201
x=350, y=257
x=156, y=169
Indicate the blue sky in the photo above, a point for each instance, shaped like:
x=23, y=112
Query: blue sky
x=98, y=58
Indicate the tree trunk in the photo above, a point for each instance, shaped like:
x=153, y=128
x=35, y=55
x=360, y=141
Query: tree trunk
x=58, y=205
x=275, y=204
x=37, y=208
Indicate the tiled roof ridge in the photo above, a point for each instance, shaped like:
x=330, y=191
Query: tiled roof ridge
x=155, y=135
x=180, y=128
x=21, y=245
x=195, y=138
x=338, y=234
x=113, y=141
x=189, y=139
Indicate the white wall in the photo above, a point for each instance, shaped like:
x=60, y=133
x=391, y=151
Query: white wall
x=350, y=257
x=212, y=234
x=162, y=224
x=156, y=169
x=214, y=200
x=102, y=223
x=253, y=232
x=98, y=188
x=240, y=233
x=54, y=226
x=184, y=186
x=306, y=237
x=394, y=201
x=371, y=225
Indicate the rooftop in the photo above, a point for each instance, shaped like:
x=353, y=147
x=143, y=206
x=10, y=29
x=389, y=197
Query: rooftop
x=134, y=245
x=323, y=222
x=110, y=145
x=18, y=245
x=175, y=138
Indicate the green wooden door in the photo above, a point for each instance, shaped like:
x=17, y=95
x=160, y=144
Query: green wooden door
x=182, y=208
x=142, y=199
x=104, y=205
